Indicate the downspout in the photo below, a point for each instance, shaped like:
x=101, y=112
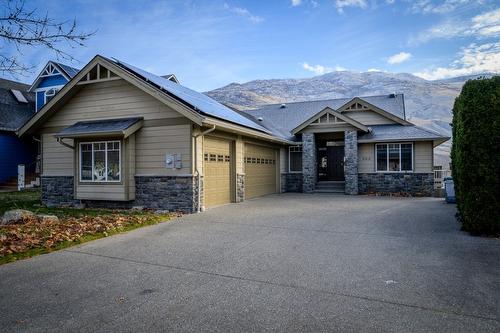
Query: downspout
x=60, y=140
x=197, y=172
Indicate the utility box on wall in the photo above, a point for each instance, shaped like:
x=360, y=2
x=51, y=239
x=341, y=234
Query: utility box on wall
x=173, y=161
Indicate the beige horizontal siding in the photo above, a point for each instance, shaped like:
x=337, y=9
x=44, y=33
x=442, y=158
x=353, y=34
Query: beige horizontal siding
x=112, y=99
x=153, y=143
x=239, y=155
x=368, y=117
x=101, y=192
x=366, y=158
x=130, y=157
x=284, y=159
x=423, y=154
x=57, y=160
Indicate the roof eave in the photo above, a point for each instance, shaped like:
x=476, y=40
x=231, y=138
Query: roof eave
x=244, y=130
x=436, y=140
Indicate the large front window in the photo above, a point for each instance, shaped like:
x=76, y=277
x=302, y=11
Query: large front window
x=295, y=159
x=394, y=157
x=100, y=161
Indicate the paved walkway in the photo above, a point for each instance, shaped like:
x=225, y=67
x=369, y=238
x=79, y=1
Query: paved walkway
x=292, y=262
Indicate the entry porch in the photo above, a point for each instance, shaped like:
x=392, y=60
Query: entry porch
x=330, y=162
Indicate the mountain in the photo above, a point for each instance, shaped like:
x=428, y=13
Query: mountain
x=428, y=103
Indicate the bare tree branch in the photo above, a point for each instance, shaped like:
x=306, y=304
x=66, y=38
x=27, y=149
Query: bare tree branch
x=22, y=28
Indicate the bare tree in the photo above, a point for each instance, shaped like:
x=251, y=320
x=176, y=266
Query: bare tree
x=20, y=28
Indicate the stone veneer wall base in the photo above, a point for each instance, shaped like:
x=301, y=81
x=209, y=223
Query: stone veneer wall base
x=174, y=193
x=416, y=184
x=58, y=191
x=291, y=182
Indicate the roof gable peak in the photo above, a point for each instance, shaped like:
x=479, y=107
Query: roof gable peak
x=329, y=116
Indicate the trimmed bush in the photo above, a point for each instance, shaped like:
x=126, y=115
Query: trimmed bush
x=475, y=156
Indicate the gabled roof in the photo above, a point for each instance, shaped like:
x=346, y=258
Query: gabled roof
x=171, y=77
x=329, y=110
x=282, y=119
x=393, y=102
x=13, y=114
x=201, y=103
x=67, y=71
x=196, y=106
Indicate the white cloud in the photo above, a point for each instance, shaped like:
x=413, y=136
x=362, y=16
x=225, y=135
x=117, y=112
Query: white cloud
x=399, y=58
x=374, y=70
x=483, y=25
x=320, y=70
x=473, y=59
x=296, y=2
x=340, y=4
x=432, y=7
x=243, y=12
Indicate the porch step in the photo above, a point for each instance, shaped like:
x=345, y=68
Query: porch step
x=330, y=187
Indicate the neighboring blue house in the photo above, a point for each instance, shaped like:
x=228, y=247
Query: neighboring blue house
x=17, y=105
x=50, y=80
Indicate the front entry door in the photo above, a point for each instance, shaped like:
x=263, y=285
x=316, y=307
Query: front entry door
x=331, y=163
x=335, y=169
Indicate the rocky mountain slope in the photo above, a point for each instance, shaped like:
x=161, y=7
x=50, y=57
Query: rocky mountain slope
x=428, y=103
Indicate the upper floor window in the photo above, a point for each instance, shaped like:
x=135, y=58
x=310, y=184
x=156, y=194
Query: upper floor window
x=49, y=94
x=100, y=161
x=394, y=157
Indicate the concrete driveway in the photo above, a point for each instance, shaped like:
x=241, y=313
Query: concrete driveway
x=292, y=262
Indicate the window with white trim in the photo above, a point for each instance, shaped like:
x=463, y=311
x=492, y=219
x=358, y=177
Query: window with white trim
x=394, y=157
x=49, y=94
x=100, y=161
x=295, y=158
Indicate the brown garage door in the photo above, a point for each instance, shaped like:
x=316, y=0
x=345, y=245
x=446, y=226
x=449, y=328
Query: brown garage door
x=217, y=171
x=260, y=170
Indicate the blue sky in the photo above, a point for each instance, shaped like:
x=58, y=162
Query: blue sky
x=208, y=44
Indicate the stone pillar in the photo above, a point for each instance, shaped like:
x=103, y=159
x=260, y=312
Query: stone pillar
x=309, y=162
x=240, y=187
x=351, y=161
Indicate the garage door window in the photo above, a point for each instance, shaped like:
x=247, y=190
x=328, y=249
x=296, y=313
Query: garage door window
x=295, y=159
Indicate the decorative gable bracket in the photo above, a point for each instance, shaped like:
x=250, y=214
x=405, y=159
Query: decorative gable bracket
x=328, y=116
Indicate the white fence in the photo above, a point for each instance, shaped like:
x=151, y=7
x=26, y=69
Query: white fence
x=439, y=176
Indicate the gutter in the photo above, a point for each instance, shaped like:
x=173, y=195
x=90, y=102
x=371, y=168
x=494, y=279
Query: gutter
x=197, y=172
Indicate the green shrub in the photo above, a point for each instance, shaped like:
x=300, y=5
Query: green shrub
x=476, y=156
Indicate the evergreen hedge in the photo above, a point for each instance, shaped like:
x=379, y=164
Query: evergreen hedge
x=475, y=156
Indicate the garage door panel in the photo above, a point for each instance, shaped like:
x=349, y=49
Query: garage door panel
x=260, y=170
x=217, y=171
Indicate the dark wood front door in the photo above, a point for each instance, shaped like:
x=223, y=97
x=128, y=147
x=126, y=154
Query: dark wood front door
x=331, y=163
x=335, y=162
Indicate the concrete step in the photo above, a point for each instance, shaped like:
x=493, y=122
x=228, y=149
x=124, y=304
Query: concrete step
x=336, y=191
x=330, y=185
